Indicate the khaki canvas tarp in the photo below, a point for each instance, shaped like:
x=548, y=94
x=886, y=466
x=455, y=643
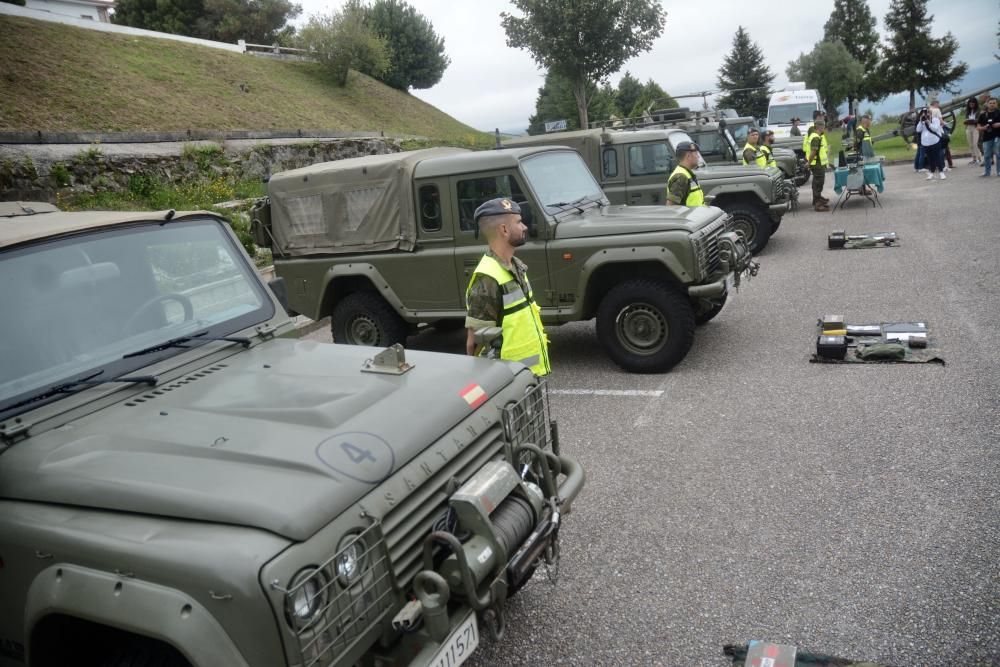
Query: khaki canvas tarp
x=360, y=204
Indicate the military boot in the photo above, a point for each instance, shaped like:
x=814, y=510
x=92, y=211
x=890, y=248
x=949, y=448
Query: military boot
x=821, y=206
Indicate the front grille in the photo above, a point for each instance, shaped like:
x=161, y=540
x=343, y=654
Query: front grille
x=528, y=420
x=706, y=246
x=346, y=611
x=409, y=522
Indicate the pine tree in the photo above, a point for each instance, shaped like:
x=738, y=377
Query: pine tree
x=744, y=77
x=913, y=59
x=629, y=91
x=852, y=24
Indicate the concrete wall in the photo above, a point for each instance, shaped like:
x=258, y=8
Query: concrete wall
x=14, y=10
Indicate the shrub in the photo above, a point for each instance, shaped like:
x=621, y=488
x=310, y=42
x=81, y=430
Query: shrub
x=341, y=41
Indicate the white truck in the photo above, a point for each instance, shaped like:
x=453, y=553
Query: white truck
x=792, y=102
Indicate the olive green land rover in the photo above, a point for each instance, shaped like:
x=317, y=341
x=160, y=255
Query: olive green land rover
x=633, y=166
x=385, y=244
x=182, y=484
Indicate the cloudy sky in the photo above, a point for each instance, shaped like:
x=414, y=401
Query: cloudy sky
x=489, y=85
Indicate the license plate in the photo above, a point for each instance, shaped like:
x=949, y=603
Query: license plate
x=459, y=645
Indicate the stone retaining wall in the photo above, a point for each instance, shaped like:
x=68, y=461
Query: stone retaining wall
x=42, y=179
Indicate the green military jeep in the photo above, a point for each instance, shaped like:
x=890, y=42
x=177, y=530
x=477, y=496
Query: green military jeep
x=386, y=243
x=633, y=167
x=183, y=485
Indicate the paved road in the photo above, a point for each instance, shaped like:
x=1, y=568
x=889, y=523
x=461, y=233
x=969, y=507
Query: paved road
x=852, y=510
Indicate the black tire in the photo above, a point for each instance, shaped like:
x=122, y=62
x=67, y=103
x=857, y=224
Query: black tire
x=709, y=314
x=801, y=178
x=774, y=225
x=145, y=653
x=364, y=318
x=645, y=326
x=753, y=221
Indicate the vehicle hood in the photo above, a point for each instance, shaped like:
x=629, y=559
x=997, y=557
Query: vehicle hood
x=258, y=440
x=616, y=220
x=718, y=172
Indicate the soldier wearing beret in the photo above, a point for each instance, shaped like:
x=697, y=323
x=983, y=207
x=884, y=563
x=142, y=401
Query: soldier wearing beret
x=682, y=186
x=499, y=293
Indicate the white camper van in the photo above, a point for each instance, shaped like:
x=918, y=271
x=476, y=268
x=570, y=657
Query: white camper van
x=792, y=102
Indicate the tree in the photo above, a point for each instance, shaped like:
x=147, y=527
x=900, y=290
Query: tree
x=417, y=58
x=852, y=24
x=745, y=77
x=629, y=91
x=583, y=40
x=342, y=41
x=652, y=97
x=256, y=21
x=913, y=60
x=556, y=102
x=830, y=69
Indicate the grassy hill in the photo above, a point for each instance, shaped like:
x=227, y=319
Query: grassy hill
x=56, y=77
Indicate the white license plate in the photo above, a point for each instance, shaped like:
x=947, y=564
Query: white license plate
x=459, y=645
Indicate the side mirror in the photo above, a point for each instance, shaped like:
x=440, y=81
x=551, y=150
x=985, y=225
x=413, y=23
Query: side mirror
x=280, y=291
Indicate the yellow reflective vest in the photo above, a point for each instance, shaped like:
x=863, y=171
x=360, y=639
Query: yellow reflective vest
x=823, y=159
x=769, y=161
x=524, y=337
x=758, y=159
x=696, y=197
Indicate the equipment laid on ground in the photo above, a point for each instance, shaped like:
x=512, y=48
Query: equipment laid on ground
x=839, y=238
x=894, y=341
x=772, y=654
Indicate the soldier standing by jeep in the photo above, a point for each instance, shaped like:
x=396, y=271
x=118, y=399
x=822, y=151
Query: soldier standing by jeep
x=766, y=141
x=499, y=293
x=818, y=160
x=751, y=153
x=682, y=186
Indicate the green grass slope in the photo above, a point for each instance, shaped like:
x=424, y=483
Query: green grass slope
x=55, y=77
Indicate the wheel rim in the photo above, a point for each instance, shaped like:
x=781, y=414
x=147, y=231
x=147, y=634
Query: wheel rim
x=743, y=223
x=642, y=329
x=363, y=331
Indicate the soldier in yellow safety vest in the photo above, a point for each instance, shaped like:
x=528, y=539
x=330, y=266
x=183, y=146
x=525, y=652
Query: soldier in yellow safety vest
x=682, y=186
x=767, y=140
x=863, y=137
x=817, y=157
x=499, y=293
x=751, y=153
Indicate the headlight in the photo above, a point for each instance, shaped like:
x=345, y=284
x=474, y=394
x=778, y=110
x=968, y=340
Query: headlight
x=349, y=563
x=306, y=598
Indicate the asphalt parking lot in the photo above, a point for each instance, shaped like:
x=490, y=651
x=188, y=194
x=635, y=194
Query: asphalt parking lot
x=748, y=494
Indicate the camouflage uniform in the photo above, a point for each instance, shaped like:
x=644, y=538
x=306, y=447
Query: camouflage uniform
x=485, y=299
x=818, y=171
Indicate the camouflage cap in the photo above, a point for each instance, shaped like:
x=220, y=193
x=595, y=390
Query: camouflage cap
x=499, y=206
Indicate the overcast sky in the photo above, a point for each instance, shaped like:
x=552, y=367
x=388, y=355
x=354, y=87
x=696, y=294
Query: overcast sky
x=489, y=85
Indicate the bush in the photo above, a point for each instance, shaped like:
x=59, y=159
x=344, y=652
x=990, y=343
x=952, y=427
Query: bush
x=60, y=175
x=341, y=41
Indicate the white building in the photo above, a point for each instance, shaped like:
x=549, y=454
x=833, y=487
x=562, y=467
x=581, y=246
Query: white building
x=95, y=10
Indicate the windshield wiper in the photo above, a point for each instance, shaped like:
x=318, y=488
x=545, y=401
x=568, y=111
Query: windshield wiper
x=179, y=342
x=564, y=205
x=79, y=384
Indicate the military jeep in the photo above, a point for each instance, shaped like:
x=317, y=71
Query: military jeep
x=182, y=484
x=385, y=244
x=633, y=167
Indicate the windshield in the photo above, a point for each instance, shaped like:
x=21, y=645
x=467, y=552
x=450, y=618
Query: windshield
x=78, y=305
x=560, y=178
x=784, y=113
